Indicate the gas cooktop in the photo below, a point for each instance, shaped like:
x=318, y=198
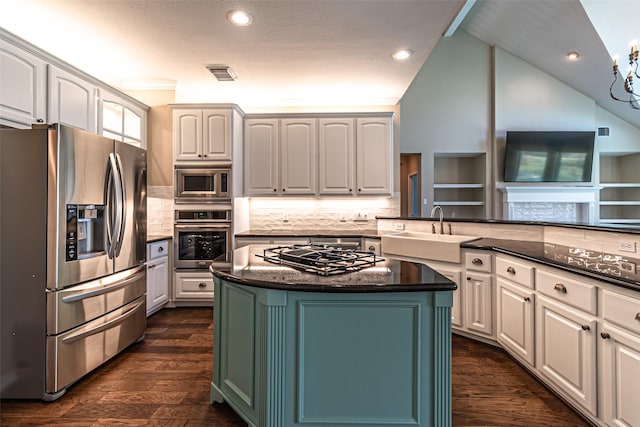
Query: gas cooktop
x=321, y=260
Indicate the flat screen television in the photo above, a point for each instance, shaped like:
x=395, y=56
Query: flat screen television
x=548, y=156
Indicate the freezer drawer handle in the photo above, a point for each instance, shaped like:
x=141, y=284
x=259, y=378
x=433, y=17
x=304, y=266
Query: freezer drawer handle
x=80, y=335
x=102, y=290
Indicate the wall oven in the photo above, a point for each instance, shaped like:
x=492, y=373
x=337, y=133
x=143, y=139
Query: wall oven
x=202, y=185
x=202, y=237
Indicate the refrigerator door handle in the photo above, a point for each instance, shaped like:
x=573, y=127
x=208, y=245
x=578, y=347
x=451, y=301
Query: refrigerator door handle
x=110, y=324
x=100, y=289
x=121, y=206
x=113, y=196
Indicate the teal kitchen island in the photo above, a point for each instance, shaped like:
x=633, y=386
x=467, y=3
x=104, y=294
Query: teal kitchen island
x=367, y=347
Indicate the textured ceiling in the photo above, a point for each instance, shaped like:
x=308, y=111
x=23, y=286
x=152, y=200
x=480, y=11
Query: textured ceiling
x=296, y=52
x=315, y=52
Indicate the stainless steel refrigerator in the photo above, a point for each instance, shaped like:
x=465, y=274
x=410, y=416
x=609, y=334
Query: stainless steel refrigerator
x=72, y=254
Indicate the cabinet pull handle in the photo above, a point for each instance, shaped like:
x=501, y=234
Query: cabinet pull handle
x=560, y=288
x=511, y=270
x=586, y=327
x=527, y=299
x=202, y=285
x=476, y=261
x=40, y=120
x=605, y=335
x=638, y=316
x=149, y=267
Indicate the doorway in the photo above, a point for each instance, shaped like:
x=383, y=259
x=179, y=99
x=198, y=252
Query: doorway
x=410, y=184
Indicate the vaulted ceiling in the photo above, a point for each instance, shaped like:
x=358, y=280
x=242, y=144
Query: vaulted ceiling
x=315, y=52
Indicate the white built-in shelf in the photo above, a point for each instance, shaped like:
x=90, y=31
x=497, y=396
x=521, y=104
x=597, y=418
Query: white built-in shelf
x=620, y=184
x=453, y=186
x=458, y=203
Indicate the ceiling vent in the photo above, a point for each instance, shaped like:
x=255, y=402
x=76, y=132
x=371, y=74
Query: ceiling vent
x=222, y=72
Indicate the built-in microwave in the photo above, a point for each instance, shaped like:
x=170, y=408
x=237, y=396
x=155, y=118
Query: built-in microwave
x=197, y=185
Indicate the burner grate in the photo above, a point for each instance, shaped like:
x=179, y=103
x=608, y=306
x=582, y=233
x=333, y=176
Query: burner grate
x=321, y=260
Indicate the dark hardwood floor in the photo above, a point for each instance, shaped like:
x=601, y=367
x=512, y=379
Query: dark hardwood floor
x=164, y=381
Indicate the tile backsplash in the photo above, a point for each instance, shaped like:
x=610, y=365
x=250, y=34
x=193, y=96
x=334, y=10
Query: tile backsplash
x=159, y=210
x=349, y=213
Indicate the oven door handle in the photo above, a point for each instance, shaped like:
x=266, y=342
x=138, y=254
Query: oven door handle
x=101, y=288
x=200, y=226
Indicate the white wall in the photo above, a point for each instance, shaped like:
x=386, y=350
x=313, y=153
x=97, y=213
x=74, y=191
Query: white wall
x=447, y=107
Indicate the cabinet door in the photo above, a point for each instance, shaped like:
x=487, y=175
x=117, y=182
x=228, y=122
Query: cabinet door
x=22, y=86
x=515, y=310
x=216, y=136
x=121, y=120
x=335, y=156
x=72, y=101
x=298, y=146
x=261, y=157
x=373, y=156
x=478, y=297
x=621, y=376
x=453, y=274
x=566, y=350
x=157, y=284
x=187, y=134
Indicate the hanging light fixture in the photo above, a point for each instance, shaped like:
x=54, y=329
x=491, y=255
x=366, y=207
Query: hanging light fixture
x=634, y=96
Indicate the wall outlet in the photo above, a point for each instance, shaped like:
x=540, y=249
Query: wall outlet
x=398, y=226
x=627, y=246
x=285, y=216
x=629, y=267
x=343, y=216
x=361, y=216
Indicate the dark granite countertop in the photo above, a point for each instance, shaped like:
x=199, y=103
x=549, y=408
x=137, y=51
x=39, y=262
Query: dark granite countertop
x=309, y=233
x=158, y=237
x=593, y=264
x=386, y=276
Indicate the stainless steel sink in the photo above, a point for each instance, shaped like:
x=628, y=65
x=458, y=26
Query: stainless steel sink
x=436, y=247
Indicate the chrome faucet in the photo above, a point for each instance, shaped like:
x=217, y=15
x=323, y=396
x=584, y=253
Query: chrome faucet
x=433, y=211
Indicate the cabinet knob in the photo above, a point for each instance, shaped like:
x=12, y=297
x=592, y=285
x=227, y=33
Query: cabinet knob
x=605, y=335
x=275, y=189
x=160, y=249
x=149, y=267
x=511, y=270
x=359, y=189
x=202, y=285
x=477, y=261
x=284, y=189
x=527, y=299
x=586, y=327
x=204, y=155
x=350, y=190
x=373, y=249
x=468, y=278
x=638, y=317
x=40, y=120
x=560, y=288
x=199, y=155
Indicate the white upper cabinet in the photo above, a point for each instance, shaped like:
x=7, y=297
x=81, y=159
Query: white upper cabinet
x=298, y=146
x=121, y=120
x=373, y=155
x=336, y=156
x=261, y=156
x=72, y=100
x=323, y=156
x=202, y=135
x=22, y=87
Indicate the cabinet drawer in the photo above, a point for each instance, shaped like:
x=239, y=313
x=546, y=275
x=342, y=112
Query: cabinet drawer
x=515, y=271
x=478, y=261
x=570, y=290
x=158, y=249
x=194, y=286
x=622, y=310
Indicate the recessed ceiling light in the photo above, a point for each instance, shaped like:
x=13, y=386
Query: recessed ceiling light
x=401, y=55
x=240, y=18
x=573, y=56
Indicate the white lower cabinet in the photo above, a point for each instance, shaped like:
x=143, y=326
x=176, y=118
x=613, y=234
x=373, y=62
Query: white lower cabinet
x=566, y=350
x=157, y=275
x=453, y=272
x=620, y=350
x=515, y=319
x=194, y=287
x=478, y=295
